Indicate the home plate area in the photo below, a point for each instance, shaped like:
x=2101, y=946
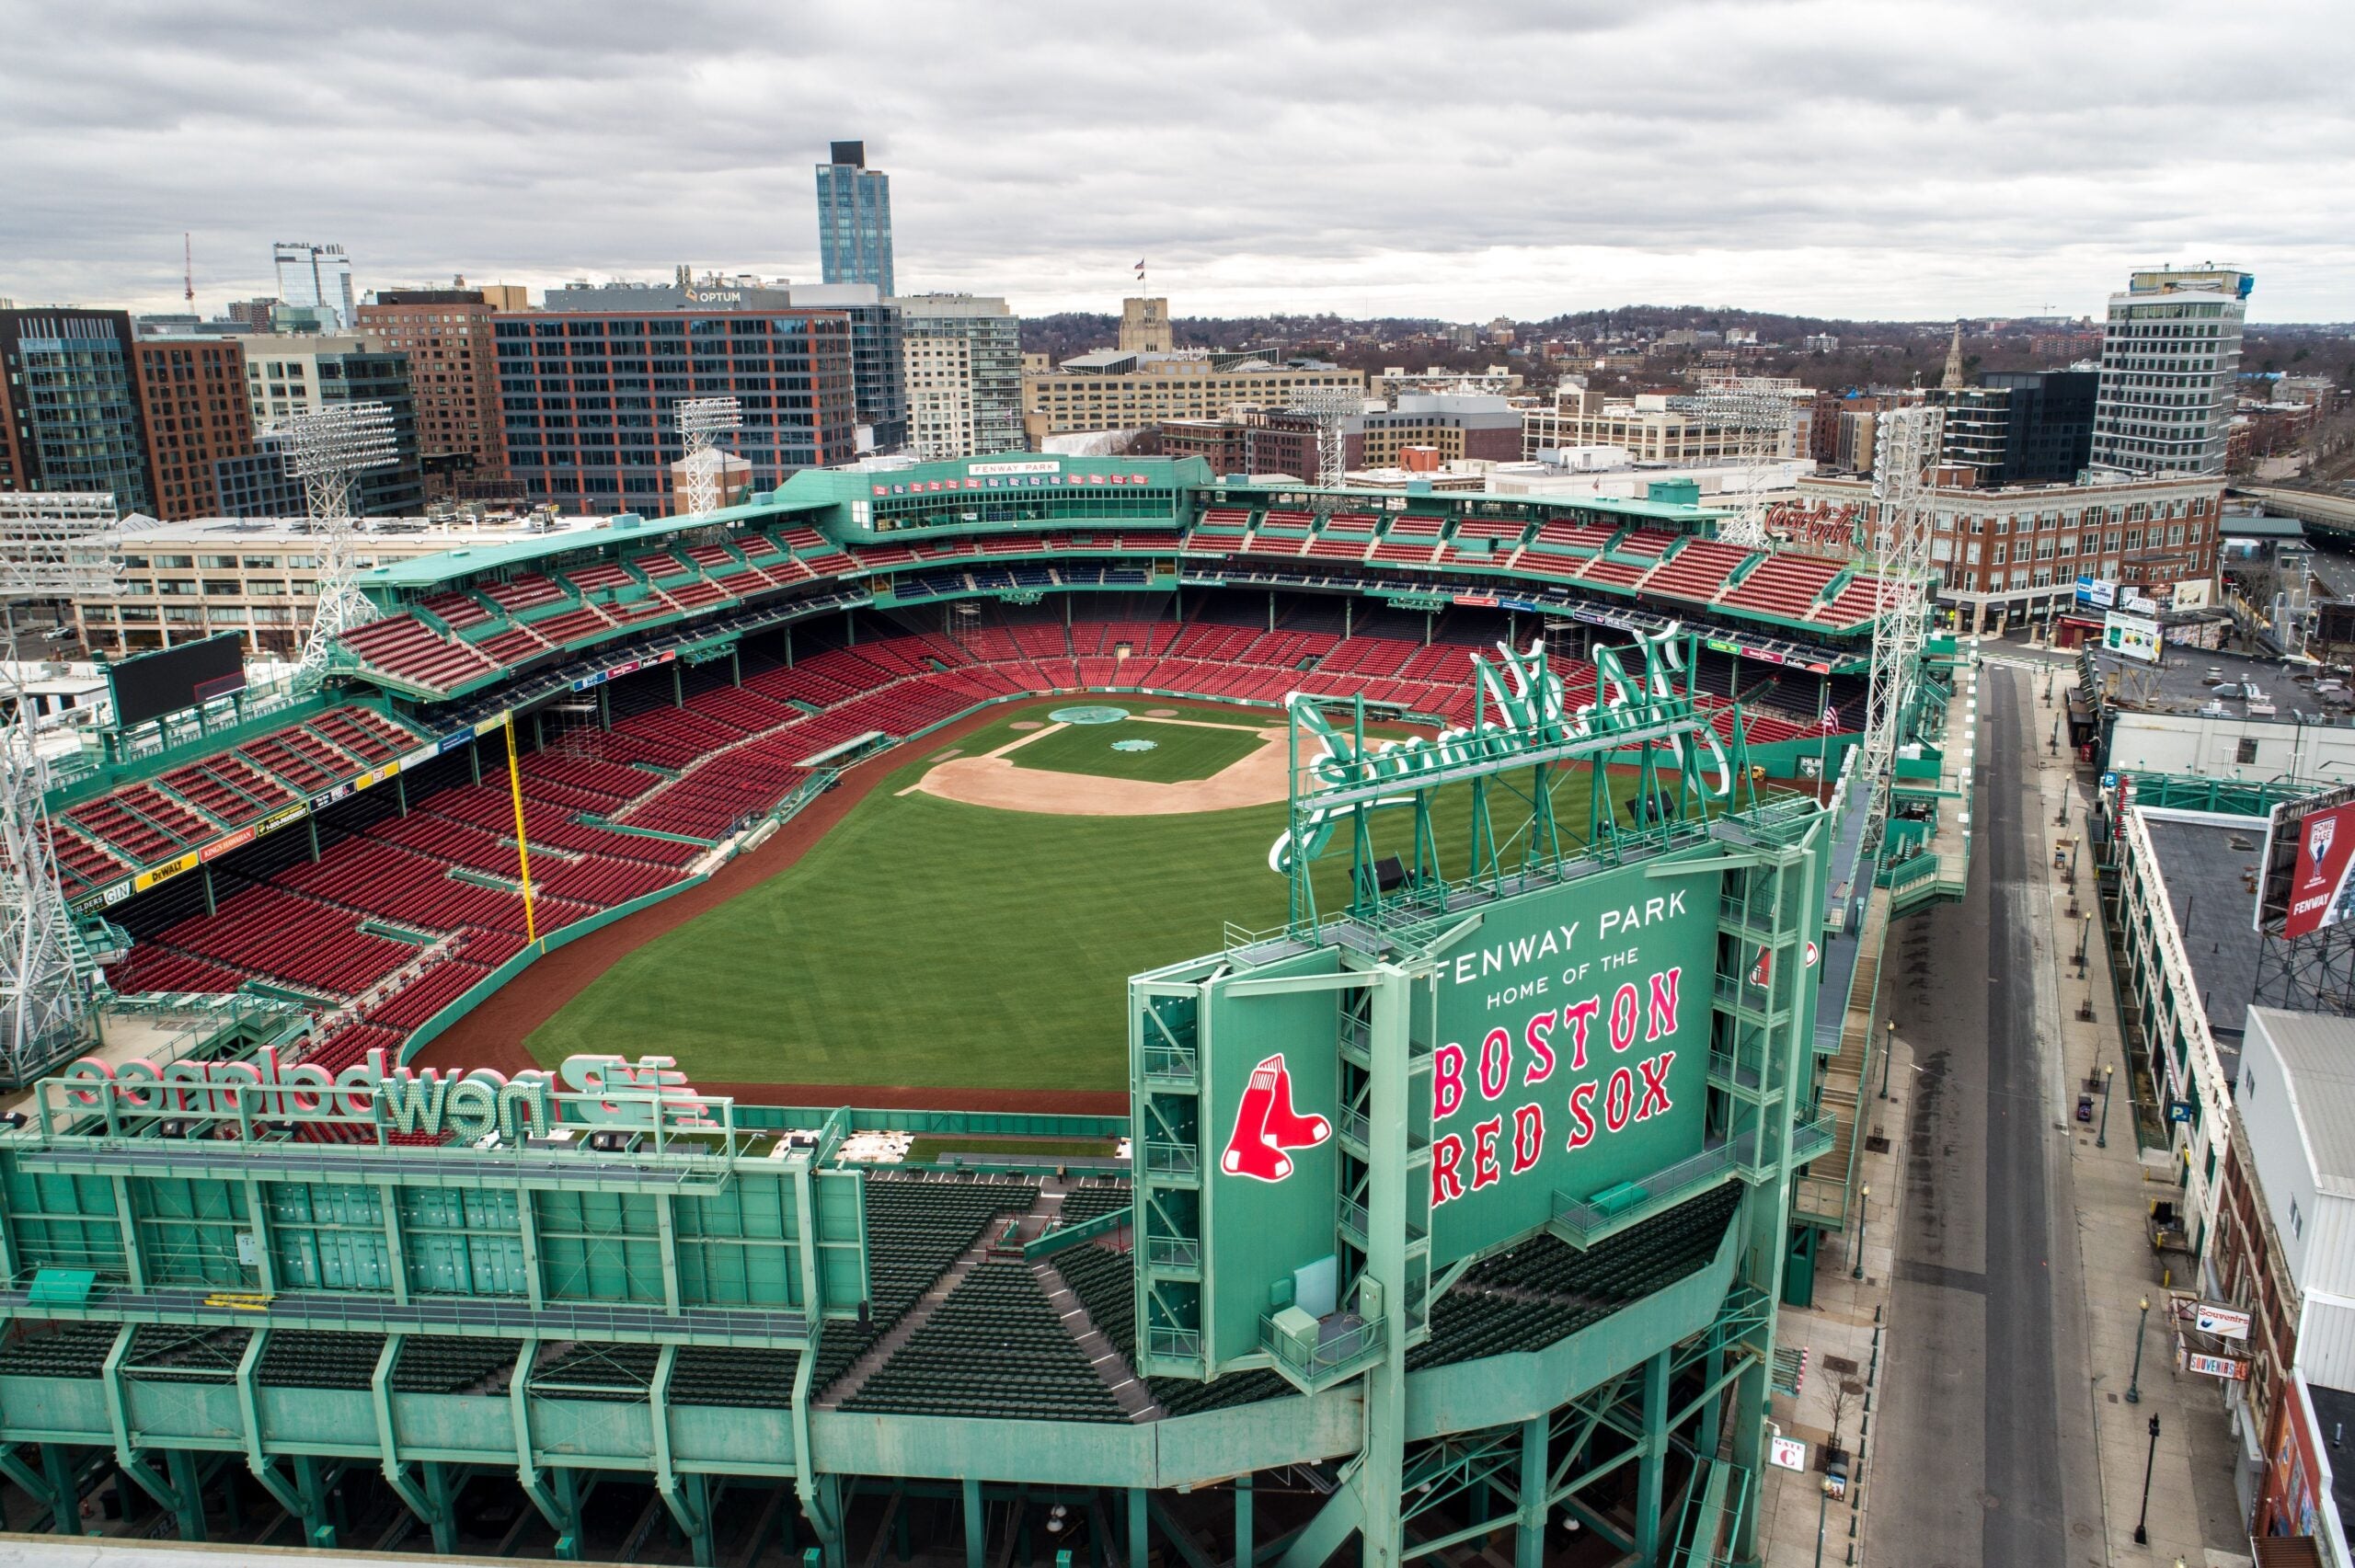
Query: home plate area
x=1051, y=769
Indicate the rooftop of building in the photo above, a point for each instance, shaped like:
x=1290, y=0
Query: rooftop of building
x=2186, y=683
x=442, y=534
x=2209, y=869
x=2318, y=1055
x=2335, y=1419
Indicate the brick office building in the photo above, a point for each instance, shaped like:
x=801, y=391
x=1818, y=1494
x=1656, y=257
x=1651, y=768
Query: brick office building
x=192, y=396
x=453, y=382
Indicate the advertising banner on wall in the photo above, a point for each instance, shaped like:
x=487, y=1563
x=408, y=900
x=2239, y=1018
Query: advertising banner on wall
x=1573, y=1047
x=2096, y=593
x=2130, y=636
x=2302, y=876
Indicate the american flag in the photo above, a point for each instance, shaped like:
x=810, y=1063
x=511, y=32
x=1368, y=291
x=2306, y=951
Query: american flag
x=1830, y=718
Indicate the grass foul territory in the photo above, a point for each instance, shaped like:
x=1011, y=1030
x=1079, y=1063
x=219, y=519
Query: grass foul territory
x=933, y=944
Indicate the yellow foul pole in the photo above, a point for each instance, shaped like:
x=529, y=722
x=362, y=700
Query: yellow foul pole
x=523, y=849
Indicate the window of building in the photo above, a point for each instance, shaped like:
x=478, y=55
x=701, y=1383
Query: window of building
x=2246, y=752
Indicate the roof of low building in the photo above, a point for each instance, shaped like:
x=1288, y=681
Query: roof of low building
x=2207, y=868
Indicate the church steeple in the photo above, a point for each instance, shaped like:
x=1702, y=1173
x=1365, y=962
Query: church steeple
x=1953, y=379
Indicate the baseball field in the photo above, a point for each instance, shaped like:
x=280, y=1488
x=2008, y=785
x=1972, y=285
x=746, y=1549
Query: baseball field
x=929, y=941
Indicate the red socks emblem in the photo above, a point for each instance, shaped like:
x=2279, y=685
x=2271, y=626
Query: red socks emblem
x=1265, y=1125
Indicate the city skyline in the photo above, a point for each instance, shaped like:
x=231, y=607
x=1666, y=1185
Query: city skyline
x=1827, y=159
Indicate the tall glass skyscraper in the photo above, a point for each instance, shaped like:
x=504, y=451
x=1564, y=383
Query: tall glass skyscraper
x=855, y=219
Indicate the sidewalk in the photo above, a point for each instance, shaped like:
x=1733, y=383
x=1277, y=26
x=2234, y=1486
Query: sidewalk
x=2193, y=1514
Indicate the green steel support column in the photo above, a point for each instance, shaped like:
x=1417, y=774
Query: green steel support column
x=1529, y=1539
x=666, y=1235
x=133, y=1465
x=190, y=1485
x=205, y=872
x=694, y=1523
x=396, y=1250
x=65, y=1498
x=473, y=759
x=441, y=1493
x=678, y=687
x=555, y=1507
x=311, y=1483
x=1713, y=1412
x=788, y=646
x=976, y=1524
x=34, y=1485
x=400, y=792
x=604, y=706
x=311, y=826
x=1139, y=1524
x=527, y=1235
x=735, y=666
x=249, y=1410
x=820, y=1494
x=1242, y=1521
x=1381, y=1474
x=431, y=1509
x=1651, y=1470
x=569, y=1496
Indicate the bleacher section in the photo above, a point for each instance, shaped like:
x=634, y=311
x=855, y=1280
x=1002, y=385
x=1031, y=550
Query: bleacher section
x=455, y=639
x=996, y=1347
x=915, y=1229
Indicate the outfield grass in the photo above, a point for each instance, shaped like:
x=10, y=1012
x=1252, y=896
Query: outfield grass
x=1180, y=752
x=933, y=944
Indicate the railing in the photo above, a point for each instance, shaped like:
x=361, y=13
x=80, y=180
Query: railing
x=1182, y=1344
x=1811, y=1138
x=1170, y=1064
x=1067, y=1236
x=1337, y=1353
x=1172, y=1159
x=1173, y=1252
x=1906, y=872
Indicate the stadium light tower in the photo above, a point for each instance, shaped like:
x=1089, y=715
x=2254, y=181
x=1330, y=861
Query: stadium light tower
x=52, y=545
x=1897, y=527
x=1332, y=408
x=1760, y=419
x=701, y=420
x=329, y=450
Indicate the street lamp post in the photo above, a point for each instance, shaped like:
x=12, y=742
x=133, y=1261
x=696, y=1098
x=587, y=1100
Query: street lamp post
x=1888, y=1049
x=2141, y=1521
x=1822, y=1508
x=2101, y=1139
x=1864, y=1197
x=2134, y=1382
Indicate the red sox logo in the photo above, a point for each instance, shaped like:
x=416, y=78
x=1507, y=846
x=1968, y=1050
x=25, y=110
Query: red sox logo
x=1265, y=1125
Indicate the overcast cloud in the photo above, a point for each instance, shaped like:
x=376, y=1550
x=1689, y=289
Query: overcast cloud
x=1881, y=158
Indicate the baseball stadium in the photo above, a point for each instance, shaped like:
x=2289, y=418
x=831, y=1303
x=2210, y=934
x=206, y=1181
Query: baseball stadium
x=1030, y=1008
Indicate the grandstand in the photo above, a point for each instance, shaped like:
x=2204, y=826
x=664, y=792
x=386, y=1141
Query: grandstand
x=541, y=1345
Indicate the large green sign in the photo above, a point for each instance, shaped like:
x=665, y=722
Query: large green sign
x=1571, y=1050
x=1270, y=1105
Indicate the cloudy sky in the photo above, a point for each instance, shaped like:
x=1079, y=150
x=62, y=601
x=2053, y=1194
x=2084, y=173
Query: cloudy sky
x=1875, y=159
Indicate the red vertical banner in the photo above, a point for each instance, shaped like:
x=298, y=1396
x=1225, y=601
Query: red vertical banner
x=2325, y=849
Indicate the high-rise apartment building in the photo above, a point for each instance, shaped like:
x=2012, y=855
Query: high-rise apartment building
x=193, y=403
x=854, y=219
x=320, y=277
x=940, y=396
x=70, y=415
x=454, y=378
x=590, y=386
x=2171, y=347
x=993, y=336
x=288, y=375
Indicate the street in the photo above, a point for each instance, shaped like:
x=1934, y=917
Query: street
x=1981, y=1460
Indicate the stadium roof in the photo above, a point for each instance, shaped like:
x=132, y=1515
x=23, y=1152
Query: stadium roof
x=627, y=529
